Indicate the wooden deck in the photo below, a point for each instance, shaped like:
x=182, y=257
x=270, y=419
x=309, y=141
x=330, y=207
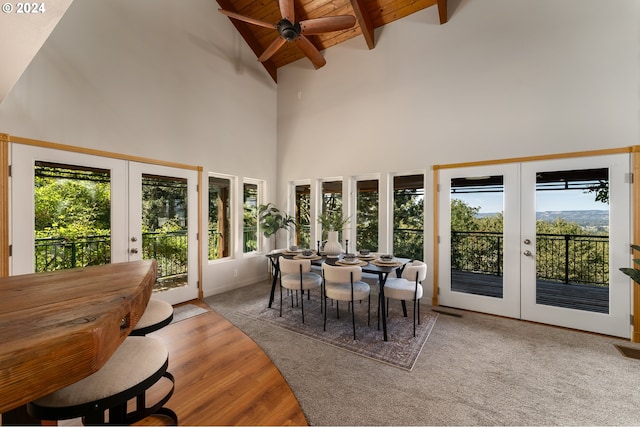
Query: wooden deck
x=579, y=297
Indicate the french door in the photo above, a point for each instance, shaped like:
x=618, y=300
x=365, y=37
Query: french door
x=72, y=209
x=540, y=241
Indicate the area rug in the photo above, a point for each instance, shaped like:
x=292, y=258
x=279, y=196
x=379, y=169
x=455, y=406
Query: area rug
x=401, y=350
x=186, y=311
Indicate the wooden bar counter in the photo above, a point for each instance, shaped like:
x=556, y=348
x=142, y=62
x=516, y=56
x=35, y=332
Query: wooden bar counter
x=59, y=327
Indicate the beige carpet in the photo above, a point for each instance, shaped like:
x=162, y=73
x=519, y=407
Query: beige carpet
x=475, y=370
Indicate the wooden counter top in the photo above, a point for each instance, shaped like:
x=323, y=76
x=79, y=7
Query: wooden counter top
x=59, y=327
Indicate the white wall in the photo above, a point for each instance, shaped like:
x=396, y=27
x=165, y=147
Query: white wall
x=174, y=81
x=162, y=79
x=501, y=79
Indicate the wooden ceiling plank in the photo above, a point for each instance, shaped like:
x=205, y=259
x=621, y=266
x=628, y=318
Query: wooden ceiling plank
x=249, y=38
x=370, y=14
x=442, y=11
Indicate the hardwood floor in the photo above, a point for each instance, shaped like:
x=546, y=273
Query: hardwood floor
x=223, y=377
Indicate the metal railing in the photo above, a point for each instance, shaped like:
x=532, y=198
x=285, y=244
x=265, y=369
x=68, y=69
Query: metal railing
x=168, y=249
x=563, y=258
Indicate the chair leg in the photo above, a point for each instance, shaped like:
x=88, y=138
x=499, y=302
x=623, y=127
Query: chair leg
x=353, y=319
x=302, y=304
x=379, y=302
x=280, y=299
x=325, y=310
x=414, y=318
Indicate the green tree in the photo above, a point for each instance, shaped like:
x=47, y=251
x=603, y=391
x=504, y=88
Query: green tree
x=408, y=216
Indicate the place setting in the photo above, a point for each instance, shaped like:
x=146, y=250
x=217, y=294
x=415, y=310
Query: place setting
x=386, y=260
x=350, y=259
x=306, y=254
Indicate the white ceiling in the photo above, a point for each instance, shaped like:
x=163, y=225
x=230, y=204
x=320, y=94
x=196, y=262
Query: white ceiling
x=22, y=35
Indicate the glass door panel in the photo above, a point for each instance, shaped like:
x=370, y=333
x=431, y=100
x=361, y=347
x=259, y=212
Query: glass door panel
x=477, y=250
x=163, y=226
x=572, y=239
x=577, y=227
x=479, y=212
x=72, y=206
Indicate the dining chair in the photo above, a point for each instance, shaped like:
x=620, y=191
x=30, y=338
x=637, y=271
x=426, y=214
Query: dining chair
x=296, y=275
x=344, y=283
x=407, y=287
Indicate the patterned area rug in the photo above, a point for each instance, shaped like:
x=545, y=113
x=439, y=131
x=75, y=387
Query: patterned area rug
x=401, y=350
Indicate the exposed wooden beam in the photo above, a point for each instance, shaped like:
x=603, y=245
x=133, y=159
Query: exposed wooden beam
x=364, y=21
x=251, y=40
x=442, y=11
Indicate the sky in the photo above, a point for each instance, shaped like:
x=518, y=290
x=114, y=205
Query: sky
x=569, y=200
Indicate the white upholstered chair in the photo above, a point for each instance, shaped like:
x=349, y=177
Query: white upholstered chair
x=344, y=283
x=296, y=275
x=407, y=287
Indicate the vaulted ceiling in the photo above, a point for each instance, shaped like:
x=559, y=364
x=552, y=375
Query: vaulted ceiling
x=369, y=14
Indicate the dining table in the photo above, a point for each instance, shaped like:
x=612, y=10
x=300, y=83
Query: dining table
x=370, y=264
x=59, y=327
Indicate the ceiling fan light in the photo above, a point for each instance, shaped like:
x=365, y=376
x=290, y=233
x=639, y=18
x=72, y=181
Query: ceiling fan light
x=288, y=31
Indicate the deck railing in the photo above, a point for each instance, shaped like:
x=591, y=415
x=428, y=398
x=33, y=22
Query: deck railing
x=168, y=249
x=563, y=258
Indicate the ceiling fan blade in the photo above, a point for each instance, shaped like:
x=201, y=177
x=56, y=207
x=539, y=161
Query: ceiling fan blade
x=310, y=51
x=273, y=48
x=327, y=24
x=247, y=19
x=287, y=10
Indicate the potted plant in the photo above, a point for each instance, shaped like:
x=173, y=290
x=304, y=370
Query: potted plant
x=633, y=272
x=332, y=222
x=271, y=220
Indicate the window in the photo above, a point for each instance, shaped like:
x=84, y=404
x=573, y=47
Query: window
x=408, y=216
x=367, y=198
x=332, y=205
x=219, y=233
x=250, y=217
x=303, y=215
x=72, y=216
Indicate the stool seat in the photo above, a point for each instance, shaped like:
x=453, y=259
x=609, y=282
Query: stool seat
x=158, y=314
x=136, y=365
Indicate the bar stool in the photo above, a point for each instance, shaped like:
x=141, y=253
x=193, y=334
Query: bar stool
x=138, y=364
x=158, y=314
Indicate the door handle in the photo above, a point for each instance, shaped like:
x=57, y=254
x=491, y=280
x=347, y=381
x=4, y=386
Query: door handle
x=527, y=253
x=134, y=251
x=527, y=241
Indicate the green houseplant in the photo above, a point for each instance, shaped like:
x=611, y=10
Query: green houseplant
x=271, y=220
x=332, y=220
x=633, y=272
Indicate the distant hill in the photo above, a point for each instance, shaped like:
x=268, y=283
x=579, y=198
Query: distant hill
x=587, y=219
x=594, y=218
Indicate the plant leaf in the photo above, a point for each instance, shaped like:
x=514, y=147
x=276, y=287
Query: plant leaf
x=633, y=273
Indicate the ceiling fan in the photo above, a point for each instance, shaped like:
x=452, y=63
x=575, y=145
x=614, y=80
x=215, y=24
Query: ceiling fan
x=291, y=31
